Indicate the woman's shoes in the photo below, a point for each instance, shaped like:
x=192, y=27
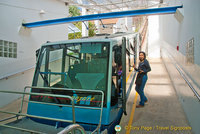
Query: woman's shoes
x=139, y=106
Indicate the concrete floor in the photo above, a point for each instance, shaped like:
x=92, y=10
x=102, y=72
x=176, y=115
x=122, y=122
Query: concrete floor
x=13, y=107
x=163, y=113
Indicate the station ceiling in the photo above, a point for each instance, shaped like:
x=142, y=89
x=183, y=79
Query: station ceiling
x=102, y=6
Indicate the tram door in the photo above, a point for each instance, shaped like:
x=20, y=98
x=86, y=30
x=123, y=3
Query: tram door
x=116, y=74
x=124, y=70
x=120, y=65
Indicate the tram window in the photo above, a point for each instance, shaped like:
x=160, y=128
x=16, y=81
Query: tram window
x=88, y=57
x=115, y=83
x=41, y=81
x=55, y=65
x=128, y=45
x=75, y=67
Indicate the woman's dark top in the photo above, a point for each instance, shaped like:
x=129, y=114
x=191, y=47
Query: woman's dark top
x=145, y=67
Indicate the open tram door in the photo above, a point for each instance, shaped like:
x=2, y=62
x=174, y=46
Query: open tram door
x=122, y=57
x=124, y=75
x=129, y=53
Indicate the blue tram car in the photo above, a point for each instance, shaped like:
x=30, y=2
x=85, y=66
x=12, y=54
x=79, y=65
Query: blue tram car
x=93, y=71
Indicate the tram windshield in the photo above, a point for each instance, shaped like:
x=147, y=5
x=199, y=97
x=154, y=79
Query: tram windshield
x=73, y=66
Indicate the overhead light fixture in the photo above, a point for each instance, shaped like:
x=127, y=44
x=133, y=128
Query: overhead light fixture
x=42, y=12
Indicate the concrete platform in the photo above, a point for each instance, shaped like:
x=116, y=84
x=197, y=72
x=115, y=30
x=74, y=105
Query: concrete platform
x=162, y=114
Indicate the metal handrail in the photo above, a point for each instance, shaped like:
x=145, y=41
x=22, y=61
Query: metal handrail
x=189, y=84
x=5, y=119
x=52, y=95
x=184, y=77
x=15, y=73
x=84, y=90
x=40, y=117
x=72, y=128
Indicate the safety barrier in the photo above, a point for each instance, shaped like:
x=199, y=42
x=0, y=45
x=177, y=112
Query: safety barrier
x=50, y=95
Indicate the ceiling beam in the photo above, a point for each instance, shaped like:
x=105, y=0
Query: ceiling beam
x=121, y=14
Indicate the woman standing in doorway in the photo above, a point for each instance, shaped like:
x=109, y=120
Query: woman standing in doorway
x=141, y=79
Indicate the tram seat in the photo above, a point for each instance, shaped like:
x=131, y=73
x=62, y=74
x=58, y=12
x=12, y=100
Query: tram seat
x=89, y=80
x=96, y=66
x=99, y=66
x=69, y=82
x=73, y=70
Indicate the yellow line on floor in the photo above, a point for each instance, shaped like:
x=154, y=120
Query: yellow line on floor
x=128, y=128
x=133, y=108
x=129, y=75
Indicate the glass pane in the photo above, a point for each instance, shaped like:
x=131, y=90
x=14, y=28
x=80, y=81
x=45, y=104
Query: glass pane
x=15, y=50
x=10, y=50
x=1, y=54
x=76, y=66
x=66, y=63
x=41, y=78
x=1, y=48
x=5, y=49
x=5, y=44
x=10, y=44
x=15, y=45
x=1, y=42
x=10, y=55
x=55, y=66
x=5, y=54
x=15, y=56
x=55, y=60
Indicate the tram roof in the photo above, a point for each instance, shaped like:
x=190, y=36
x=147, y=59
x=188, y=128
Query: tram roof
x=97, y=38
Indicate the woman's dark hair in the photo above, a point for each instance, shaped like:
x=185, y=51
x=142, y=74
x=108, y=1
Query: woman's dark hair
x=143, y=54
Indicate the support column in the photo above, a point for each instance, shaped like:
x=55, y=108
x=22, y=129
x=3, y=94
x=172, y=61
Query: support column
x=84, y=29
x=97, y=24
x=128, y=24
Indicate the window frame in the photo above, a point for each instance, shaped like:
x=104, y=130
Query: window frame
x=42, y=54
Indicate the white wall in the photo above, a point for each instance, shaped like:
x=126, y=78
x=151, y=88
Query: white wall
x=129, y=23
x=173, y=32
x=121, y=25
x=154, y=37
x=12, y=13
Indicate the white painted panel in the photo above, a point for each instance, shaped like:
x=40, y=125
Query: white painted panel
x=28, y=41
x=12, y=14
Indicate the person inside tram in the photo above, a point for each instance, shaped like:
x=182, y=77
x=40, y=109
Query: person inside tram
x=141, y=78
x=119, y=73
x=75, y=62
x=116, y=88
